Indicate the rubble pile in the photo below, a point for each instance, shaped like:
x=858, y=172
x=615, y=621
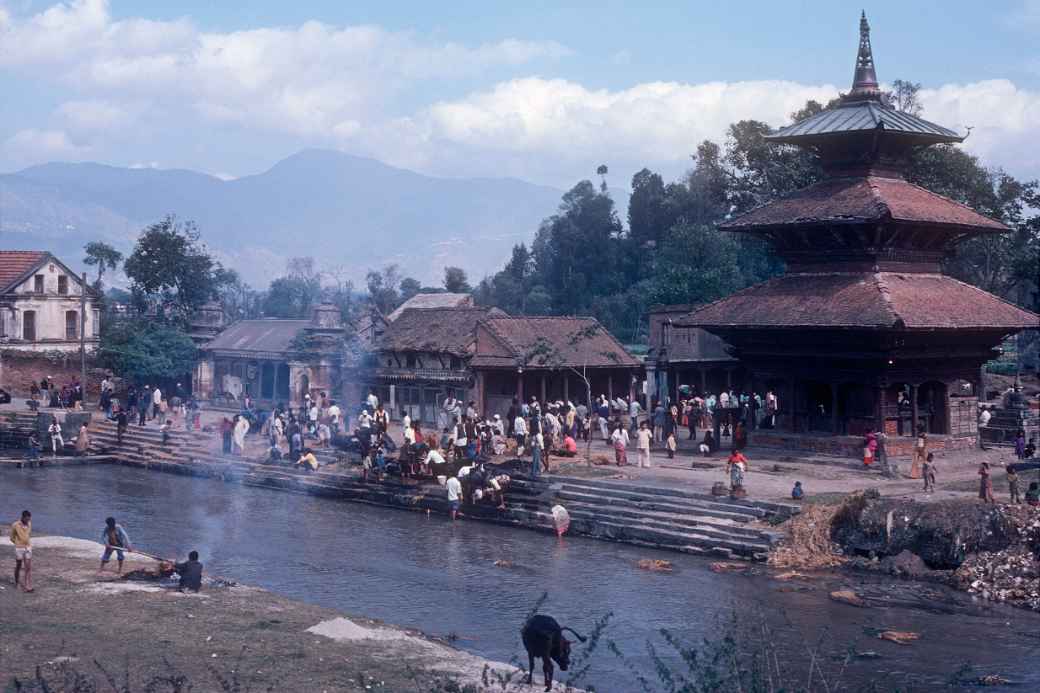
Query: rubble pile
x=1011, y=575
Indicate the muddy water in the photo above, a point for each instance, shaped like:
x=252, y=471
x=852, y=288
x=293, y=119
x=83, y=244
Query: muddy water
x=423, y=572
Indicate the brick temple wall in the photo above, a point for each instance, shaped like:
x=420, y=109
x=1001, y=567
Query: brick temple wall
x=19, y=369
x=852, y=446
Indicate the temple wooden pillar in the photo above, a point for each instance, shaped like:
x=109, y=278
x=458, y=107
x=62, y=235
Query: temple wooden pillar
x=566, y=386
x=704, y=382
x=542, y=400
x=834, y=409
x=914, y=411
x=520, y=387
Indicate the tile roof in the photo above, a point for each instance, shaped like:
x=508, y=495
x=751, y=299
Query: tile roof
x=265, y=335
x=550, y=342
x=859, y=116
x=863, y=198
x=436, y=330
x=432, y=300
x=876, y=300
x=15, y=263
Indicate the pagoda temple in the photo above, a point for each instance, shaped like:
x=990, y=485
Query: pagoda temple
x=864, y=331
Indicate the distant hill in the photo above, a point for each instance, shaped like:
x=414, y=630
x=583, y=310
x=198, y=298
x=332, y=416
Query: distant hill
x=341, y=209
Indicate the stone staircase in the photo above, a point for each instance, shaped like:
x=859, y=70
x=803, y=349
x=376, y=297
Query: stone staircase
x=659, y=517
x=665, y=518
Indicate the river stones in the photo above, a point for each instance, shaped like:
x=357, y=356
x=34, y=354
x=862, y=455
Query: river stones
x=848, y=597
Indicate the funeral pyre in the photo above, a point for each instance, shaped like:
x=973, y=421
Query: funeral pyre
x=1013, y=574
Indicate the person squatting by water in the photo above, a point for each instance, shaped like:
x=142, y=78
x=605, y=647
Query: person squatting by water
x=21, y=537
x=114, y=538
x=190, y=572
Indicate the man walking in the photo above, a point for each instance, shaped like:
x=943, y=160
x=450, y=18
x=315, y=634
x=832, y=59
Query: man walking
x=21, y=537
x=115, y=538
x=156, y=402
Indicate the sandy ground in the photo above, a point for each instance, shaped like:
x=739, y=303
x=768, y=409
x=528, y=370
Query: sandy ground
x=138, y=631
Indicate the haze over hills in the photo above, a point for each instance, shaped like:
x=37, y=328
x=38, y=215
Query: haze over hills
x=348, y=212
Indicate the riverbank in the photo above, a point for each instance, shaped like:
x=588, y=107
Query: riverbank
x=79, y=623
x=991, y=551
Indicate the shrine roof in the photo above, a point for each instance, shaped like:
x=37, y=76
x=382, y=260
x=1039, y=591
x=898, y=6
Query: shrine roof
x=267, y=335
x=862, y=300
x=435, y=330
x=863, y=199
x=863, y=116
x=550, y=342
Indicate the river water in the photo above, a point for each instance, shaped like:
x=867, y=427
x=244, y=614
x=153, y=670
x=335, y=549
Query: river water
x=423, y=572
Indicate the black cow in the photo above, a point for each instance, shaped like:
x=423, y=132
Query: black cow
x=543, y=637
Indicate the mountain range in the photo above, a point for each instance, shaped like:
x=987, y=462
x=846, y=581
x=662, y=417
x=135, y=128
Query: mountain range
x=350, y=213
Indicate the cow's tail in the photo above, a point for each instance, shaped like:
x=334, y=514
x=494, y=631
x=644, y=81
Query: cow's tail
x=579, y=636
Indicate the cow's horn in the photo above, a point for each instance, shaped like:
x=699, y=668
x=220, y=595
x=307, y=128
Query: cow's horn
x=580, y=637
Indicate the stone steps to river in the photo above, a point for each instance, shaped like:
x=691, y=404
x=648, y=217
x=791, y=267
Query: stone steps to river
x=639, y=514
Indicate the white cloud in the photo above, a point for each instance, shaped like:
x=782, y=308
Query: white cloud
x=1004, y=120
x=36, y=146
x=560, y=128
x=135, y=82
x=307, y=79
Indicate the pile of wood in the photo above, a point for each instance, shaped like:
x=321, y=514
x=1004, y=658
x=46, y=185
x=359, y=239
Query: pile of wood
x=808, y=544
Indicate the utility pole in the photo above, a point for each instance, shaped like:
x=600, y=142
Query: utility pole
x=83, y=335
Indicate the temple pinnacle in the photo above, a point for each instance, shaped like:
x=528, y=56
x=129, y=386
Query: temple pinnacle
x=864, y=81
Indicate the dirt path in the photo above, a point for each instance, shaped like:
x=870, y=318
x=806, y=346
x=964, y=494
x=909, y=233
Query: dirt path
x=143, y=633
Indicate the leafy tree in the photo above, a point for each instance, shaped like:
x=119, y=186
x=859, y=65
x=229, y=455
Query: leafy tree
x=104, y=256
x=171, y=271
x=382, y=288
x=455, y=281
x=409, y=287
x=291, y=297
x=146, y=351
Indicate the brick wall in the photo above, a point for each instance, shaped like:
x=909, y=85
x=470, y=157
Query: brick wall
x=852, y=446
x=18, y=370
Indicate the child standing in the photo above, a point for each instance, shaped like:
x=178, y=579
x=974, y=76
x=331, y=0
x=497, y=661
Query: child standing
x=671, y=445
x=929, y=473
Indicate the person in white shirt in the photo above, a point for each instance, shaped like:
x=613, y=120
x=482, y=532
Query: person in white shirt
x=364, y=420
x=520, y=433
x=620, y=441
x=156, y=401
x=334, y=414
x=643, y=438
x=372, y=400
x=984, y=417
x=454, y=487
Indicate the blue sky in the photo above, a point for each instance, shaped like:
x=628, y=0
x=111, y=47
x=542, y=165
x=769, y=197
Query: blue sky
x=540, y=91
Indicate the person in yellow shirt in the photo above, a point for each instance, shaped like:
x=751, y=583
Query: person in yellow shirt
x=308, y=461
x=21, y=534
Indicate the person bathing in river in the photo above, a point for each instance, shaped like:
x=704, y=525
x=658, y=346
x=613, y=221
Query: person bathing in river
x=115, y=538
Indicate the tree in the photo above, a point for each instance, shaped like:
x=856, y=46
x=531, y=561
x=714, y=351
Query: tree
x=455, y=281
x=382, y=288
x=104, y=256
x=172, y=272
x=409, y=287
x=145, y=351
